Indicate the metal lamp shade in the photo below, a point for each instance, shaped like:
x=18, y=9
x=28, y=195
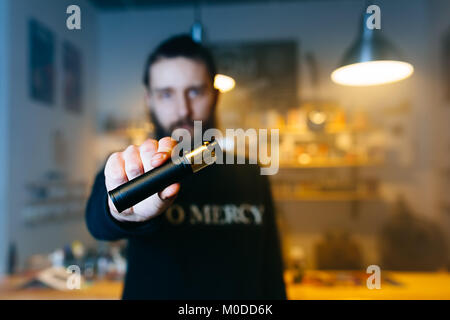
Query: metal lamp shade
x=371, y=60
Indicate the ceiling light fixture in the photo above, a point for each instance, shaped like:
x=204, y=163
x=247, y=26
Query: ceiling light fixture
x=371, y=60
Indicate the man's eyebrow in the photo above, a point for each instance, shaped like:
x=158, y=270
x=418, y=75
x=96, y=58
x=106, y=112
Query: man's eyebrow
x=165, y=89
x=198, y=86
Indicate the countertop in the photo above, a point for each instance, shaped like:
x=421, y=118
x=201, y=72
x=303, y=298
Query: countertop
x=315, y=285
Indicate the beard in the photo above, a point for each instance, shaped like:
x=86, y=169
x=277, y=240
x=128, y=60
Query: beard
x=161, y=132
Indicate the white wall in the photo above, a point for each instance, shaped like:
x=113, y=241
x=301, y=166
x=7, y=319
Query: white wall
x=327, y=29
x=4, y=133
x=32, y=123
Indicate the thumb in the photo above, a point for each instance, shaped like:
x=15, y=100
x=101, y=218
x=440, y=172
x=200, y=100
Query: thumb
x=170, y=192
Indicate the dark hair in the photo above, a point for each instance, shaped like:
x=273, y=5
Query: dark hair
x=180, y=46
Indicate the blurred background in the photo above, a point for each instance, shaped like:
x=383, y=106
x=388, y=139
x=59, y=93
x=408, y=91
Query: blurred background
x=364, y=170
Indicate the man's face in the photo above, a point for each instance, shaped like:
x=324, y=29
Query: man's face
x=180, y=92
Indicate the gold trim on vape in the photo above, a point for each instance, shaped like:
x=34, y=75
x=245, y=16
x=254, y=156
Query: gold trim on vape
x=202, y=156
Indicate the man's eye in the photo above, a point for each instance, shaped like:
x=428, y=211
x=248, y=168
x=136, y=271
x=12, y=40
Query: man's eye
x=194, y=93
x=165, y=95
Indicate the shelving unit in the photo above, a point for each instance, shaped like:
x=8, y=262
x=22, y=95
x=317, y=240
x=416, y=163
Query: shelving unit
x=326, y=163
x=53, y=200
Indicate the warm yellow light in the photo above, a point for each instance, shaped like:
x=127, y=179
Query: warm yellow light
x=317, y=117
x=372, y=73
x=304, y=158
x=224, y=83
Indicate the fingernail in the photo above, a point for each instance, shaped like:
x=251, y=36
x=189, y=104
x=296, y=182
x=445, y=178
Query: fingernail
x=159, y=156
x=164, y=196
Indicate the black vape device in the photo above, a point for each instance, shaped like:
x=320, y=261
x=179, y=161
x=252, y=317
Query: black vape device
x=134, y=191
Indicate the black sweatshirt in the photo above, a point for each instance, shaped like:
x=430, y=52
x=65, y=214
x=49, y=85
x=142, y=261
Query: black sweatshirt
x=218, y=240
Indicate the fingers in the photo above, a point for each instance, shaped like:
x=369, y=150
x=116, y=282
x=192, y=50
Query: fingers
x=146, y=151
x=115, y=174
x=165, y=146
x=124, y=166
x=159, y=158
x=133, y=162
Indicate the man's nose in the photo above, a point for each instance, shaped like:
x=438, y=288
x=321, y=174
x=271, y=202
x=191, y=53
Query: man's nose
x=184, y=106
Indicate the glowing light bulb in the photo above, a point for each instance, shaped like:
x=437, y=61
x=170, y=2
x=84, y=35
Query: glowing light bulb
x=372, y=73
x=224, y=83
x=317, y=117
